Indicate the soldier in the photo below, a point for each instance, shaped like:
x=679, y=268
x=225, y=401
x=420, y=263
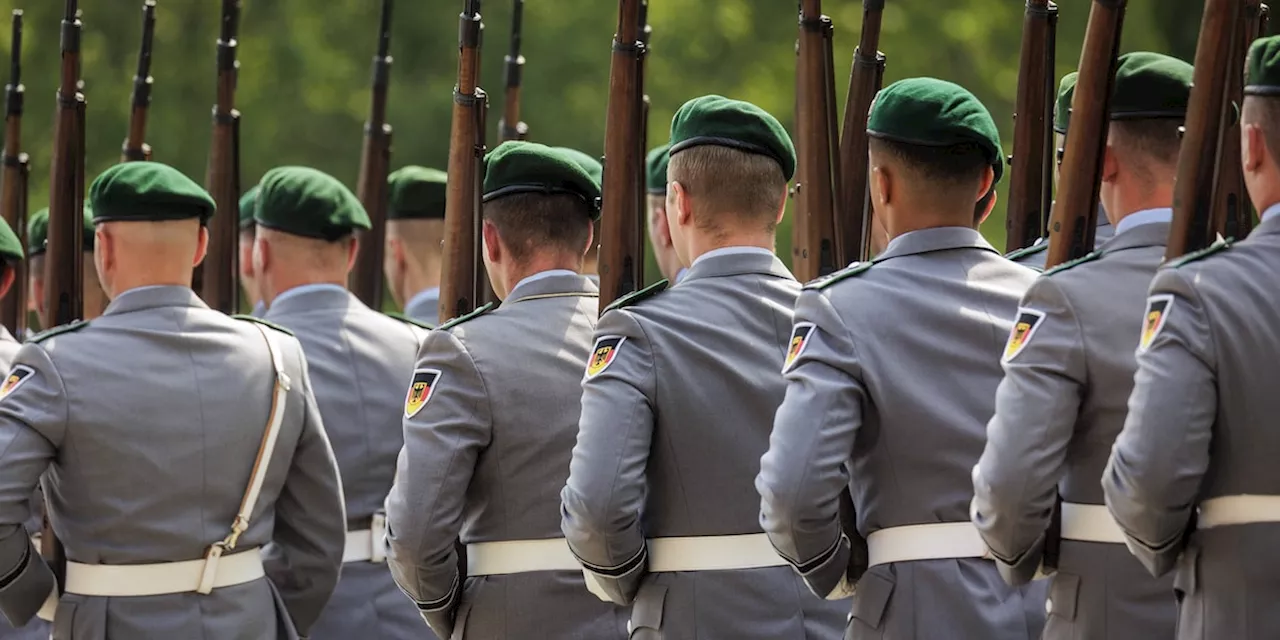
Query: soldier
x=248, y=277
x=487, y=444
x=858, y=415
x=1034, y=255
x=664, y=252
x=415, y=241
x=185, y=503
x=359, y=360
x=655, y=459
x=95, y=300
x=1069, y=367
x=1191, y=480
x=593, y=167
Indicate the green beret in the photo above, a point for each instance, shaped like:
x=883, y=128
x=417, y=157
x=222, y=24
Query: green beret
x=588, y=162
x=147, y=191
x=1150, y=85
x=416, y=193
x=655, y=169
x=716, y=120
x=248, y=204
x=1262, y=76
x=1062, y=110
x=308, y=202
x=528, y=167
x=10, y=246
x=38, y=231
x=935, y=113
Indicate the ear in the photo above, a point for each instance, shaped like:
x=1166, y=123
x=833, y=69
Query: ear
x=882, y=179
x=1253, y=148
x=661, y=233
x=991, y=205
x=246, y=257
x=988, y=182
x=678, y=202
x=353, y=248
x=261, y=256
x=591, y=238
x=493, y=243
x=6, y=280
x=396, y=246
x=104, y=247
x=1110, y=163
x=782, y=206
x=202, y=246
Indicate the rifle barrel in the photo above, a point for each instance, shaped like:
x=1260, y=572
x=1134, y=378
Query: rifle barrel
x=220, y=275
x=816, y=212
x=509, y=126
x=618, y=261
x=367, y=277
x=1028, y=182
x=854, y=224
x=13, y=184
x=135, y=145
x=458, y=281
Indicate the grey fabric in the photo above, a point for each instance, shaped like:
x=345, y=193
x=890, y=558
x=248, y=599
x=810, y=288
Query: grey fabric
x=1102, y=234
x=424, y=308
x=148, y=422
x=360, y=362
x=1061, y=404
x=259, y=309
x=1200, y=426
x=484, y=460
x=671, y=435
x=890, y=396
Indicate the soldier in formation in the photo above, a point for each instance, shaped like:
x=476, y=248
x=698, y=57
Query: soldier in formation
x=248, y=231
x=95, y=300
x=664, y=252
x=415, y=237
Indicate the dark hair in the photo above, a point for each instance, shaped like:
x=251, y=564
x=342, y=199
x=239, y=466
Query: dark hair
x=1154, y=138
x=951, y=165
x=533, y=222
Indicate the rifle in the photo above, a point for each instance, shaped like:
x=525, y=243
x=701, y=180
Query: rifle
x=619, y=260
x=815, y=193
x=642, y=127
x=1074, y=218
x=219, y=286
x=135, y=146
x=460, y=275
x=514, y=68
x=1231, y=214
x=13, y=185
x=371, y=186
x=1031, y=175
x=853, y=227
x=1193, y=192
x=1264, y=21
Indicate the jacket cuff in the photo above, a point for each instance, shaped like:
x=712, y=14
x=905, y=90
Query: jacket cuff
x=827, y=575
x=439, y=613
x=25, y=585
x=617, y=584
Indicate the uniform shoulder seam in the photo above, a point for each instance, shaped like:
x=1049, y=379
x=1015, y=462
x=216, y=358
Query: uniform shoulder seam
x=635, y=297
x=467, y=317
x=1026, y=251
x=59, y=330
x=1195, y=256
x=408, y=320
x=1071, y=264
x=265, y=323
x=850, y=271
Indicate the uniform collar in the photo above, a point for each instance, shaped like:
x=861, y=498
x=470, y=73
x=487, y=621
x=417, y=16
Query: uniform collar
x=151, y=297
x=1144, y=217
x=1270, y=222
x=731, y=251
x=423, y=297
x=1271, y=212
x=684, y=271
x=5, y=336
x=552, y=282
x=935, y=239
x=310, y=297
x=1146, y=234
x=732, y=261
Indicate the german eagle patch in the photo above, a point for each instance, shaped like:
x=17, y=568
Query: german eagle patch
x=1158, y=308
x=1023, y=329
x=18, y=375
x=420, y=390
x=604, y=353
x=799, y=340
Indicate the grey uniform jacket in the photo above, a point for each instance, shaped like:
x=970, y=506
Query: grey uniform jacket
x=487, y=447
x=148, y=421
x=424, y=308
x=36, y=629
x=1201, y=425
x=888, y=392
x=360, y=362
x=1068, y=373
x=670, y=439
x=1035, y=255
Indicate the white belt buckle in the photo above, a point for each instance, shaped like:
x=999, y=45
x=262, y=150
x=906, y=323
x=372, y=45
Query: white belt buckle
x=378, y=538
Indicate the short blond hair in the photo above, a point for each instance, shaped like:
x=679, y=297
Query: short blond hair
x=730, y=187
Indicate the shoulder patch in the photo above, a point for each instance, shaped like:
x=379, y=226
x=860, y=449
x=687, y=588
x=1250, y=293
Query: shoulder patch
x=845, y=273
x=603, y=354
x=1018, y=254
x=1158, y=308
x=265, y=323
x=799, y=340
x=421, y=388
x=1071, y=264
x=1217, y=247
x=636, y=296
x=59, y=330
x=1024, y=327
x=407, y=320
x=467, y=316
x=17, y=375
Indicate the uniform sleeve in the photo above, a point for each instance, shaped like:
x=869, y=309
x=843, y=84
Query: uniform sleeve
x=448, y=423
x=804, y=471
x=1015, y=482
x=305, y=554
x=601, y=504
x=33, y=420
x=1161, y=455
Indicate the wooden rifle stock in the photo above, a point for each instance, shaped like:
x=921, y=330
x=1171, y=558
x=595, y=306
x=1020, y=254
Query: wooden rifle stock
x=13, y=185
x=1193, y=192
x=135, y=145
x=853, y=226
x=619, y=262
x=1074, y=219
x=642, y=128
x=219, y=286
x=458, y=281
x=1030, y=178
x=815, y=211
x=510, y=127
x=1232, y=216
x=367, y=276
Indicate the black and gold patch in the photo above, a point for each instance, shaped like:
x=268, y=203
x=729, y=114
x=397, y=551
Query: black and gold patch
x=1158, y=308
x=18, y=375
x=420, y=390
x=799, y=340
x=604, y=353
x=1023, y=329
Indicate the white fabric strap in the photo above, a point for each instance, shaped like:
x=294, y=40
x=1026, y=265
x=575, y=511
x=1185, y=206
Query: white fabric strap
x=1089, y=523
x=367, y=545
x=713, y=553
x=520, y=556
x=121, y=580
x=925, y=542
x=1241, y=509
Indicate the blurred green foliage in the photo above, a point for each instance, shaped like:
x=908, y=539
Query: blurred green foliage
x=305, y=64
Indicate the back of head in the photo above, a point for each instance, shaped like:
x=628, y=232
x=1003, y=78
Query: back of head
x=1148, y=105
x=541, y=201
x=307, y=218
x=415, y=209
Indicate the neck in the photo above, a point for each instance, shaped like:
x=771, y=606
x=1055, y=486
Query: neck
x=419, y=279
x=274, y=284
x=513, y=274
x=1124, y=205
x=700, y=243
x=125, y=282
x=926, y=217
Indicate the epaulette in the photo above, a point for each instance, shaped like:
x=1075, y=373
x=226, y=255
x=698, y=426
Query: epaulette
x=1018, y=254
x=1216, y=247
x=845, y=273
x=59, y=330
x=268, y=323
x=407, y=320
x=1070, y=264
x=637, y=296
x=467, y=316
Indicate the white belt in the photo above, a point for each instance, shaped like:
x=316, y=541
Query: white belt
x=925, y=542
x=1242, y=509
x=367, y=545
x=121, y=580
x=1089, y=523
x=695, y=553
